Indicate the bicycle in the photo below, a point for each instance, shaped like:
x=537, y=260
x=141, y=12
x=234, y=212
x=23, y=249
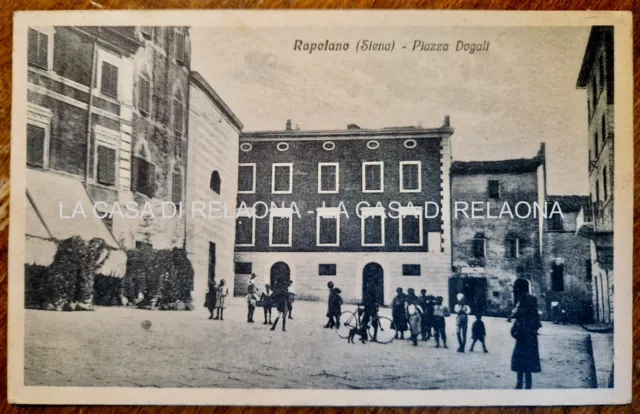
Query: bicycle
x=351, y=320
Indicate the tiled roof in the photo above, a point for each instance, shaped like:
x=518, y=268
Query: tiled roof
x=569, y=203
x=502, y=166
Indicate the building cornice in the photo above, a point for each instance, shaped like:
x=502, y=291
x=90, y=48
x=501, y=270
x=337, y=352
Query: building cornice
x=201, y=83
x=348, y=134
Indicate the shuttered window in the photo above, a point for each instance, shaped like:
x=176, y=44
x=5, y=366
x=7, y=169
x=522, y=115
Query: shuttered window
x=109, y=80
x=178, y=119
x=144, y=96
x=106, y=165
x=36, y=137
x=179, y=41
x=38, y=50
x=143, y=176
x=176, y=188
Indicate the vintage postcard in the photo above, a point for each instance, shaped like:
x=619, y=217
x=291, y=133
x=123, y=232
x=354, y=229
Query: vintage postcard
x=374, y=208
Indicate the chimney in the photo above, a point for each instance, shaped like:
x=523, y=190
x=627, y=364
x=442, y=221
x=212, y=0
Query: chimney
x=288, y=127
x=447, y=123
x=353, y=126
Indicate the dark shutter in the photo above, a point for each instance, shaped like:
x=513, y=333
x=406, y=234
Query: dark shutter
x=143, y=176
x=176, y=188
x=35, y=146
x=178, y=126
x=109, y=80
x=244, y=230
x=328, y=177
x=373, y=230
x=33, y=47
x=410, y=229
x=144, y=98
x=280, y=230
x=410, y=176
x=494, y=189
x=328, y=230
x=38, y=49
x=106, y=165
x=43, y=50
x=179, y=46
x=245, y=178
x=372, y=178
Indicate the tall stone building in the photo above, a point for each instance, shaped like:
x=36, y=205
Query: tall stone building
x=212, y=179
x=595, y=222
x=358, y=207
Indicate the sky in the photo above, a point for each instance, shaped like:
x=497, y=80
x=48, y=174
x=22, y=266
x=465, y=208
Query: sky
x=502, y=103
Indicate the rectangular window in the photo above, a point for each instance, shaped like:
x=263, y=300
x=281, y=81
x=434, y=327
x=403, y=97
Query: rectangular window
x=494, y=189
x=410, y=270
x=328, y=230
x=280, y=229
x=245, y=230
x=178, y=118
x=281, y=178
x=410, y=176
x=36, y=141
x=328, y=177
x=411, y=227
x=144, y=96
x=373, y=177
x=38, y=49
x=109, y=80
x=479, y=246
x=588, y=270
x=243, y=268
x=247, y=178
x=597, y=191
x=555, y=222
x=143, y=178
x=106, y=167
x=327, y=270
x=557, y=277
x=176, y=188
x=179, y=41
x=372, y=223
x=513, y=248
x=143, y=245
x=605, y=190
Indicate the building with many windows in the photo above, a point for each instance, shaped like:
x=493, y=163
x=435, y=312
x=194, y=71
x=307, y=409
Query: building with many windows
x=358, y=207
x=106, y=126
x=595, y=221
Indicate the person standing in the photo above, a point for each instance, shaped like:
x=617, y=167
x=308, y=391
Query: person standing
x=330, y=322
x=335, y=307
x=525, y=359
x=478, y=333
x=221, y=293
x=210, y=298
x=370, y=311
x=292, y=297
x=281, y=300
x=267, y=304
x=426, y=304
x=439, y=325
x=251, y=297
x=462, y=320
x=399, y=313
x=415, y=322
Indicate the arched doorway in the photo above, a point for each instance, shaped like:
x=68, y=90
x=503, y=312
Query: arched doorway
x=280, y=275
x=373, y=281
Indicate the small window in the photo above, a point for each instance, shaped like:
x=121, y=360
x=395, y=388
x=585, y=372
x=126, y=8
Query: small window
x=603, y=128
x=479, y=246
x=556, y=222
x=328, y=230
x=557, y=277
x=178, y=115
x=410, y=143
x=106, y=171
x=176, y=187
x=143, y=176
x=373, y=145
x=144, y=95
x=38, y=49
x=496, y=294
x=327, y=270
x=246, y=147
x=109, y=80
x=372, y=177
x=588, y=270
x=605, y=189
x=245, y=231
x=328, y=146
x=410, y=270
x=247, y=178
x=180, y=46
x=328, y=178
x=215, y=182
x=36, y=141
x=243, y=268
x=373, y=230
x=597, y=191
x=410, y=176
x=282, y=146
x=143, y=245
x=494, y=189
x=280, y=234
x=512, y=249
x=281, y=178
x=147, y=31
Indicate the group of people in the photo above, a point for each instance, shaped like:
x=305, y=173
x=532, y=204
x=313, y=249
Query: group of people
x=277, y=296
x=215, y=297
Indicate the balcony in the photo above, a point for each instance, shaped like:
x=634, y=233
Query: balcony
x=584, y=223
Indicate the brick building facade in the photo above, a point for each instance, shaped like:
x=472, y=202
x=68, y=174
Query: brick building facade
x=373, y=206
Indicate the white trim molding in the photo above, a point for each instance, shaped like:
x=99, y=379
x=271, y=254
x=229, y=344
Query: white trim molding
x=273, y=177
x=410, y=190
x=328, y=213
x=253, y=178
x=366, y=212
x=365, y=164
x=337, y=169
x=40, y=116
x=281, y=212
x=410, y=211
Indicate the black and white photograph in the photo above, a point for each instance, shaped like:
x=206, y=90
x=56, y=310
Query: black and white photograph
x=268, y=207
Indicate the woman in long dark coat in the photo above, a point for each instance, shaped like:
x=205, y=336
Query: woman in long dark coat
x=526, y=357
x=399, y=313
x=210, y=298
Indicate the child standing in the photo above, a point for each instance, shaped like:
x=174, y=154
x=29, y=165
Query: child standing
x=267, y=304
x=221, y=293
x=439, y=313
x=252, y=290
x=478, y=332
x=415, y=323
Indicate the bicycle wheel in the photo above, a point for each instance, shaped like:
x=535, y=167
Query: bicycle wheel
x=348, y=321
x=385, y=333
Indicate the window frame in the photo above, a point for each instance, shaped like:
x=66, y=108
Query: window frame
x=281, y=213
x=484, y=246
x=50, y=32
x=102, y=57
x=366, y=212
x=404, y=273
x=147, y=113
x=335, y=269
x=180, y=31
x=331, y=213
x=401, y=166
x=107, y=138
x=176, y=168
x=489, y=182
x=40, y=117
x=248, y=213
x=273, y=177
x=253, y=177
x=410, y=211
x=365, y=164
x=322, y=165
x=508, y=248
